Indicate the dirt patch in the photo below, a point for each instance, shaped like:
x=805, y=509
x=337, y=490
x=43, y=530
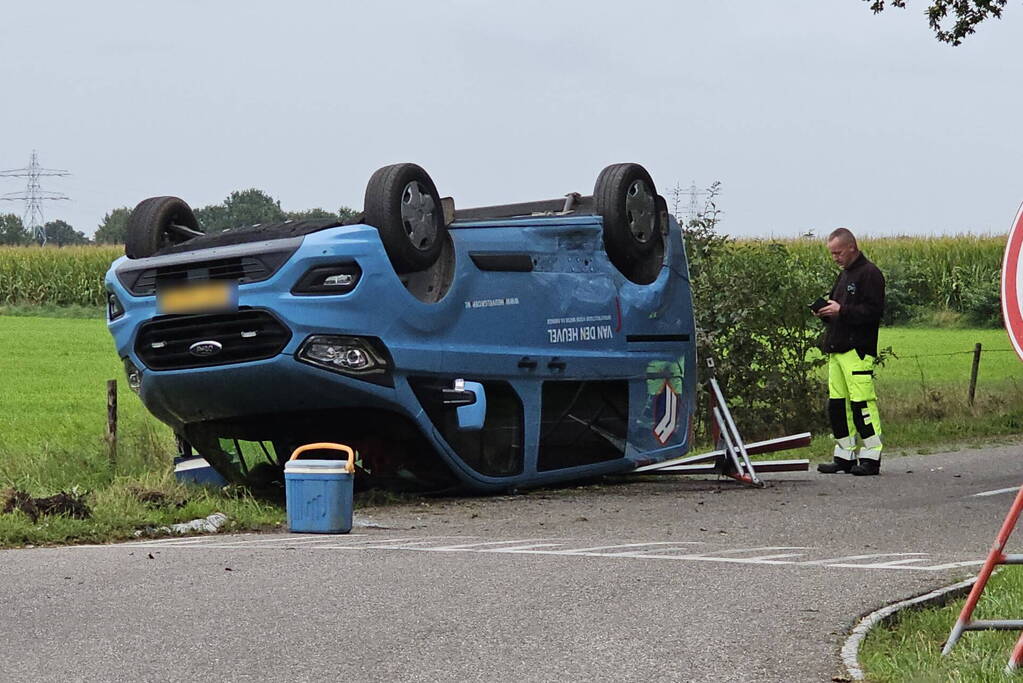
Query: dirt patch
x=64, y=503
x=155, y=499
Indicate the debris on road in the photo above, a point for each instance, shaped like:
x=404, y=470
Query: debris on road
x=207, y=525
x=67, y=503
x=365, y=522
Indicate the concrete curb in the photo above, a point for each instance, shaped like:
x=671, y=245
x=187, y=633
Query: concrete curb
x=851, y=649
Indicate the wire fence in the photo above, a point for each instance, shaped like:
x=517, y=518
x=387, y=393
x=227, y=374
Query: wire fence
x=950, y=353
x=927, y=379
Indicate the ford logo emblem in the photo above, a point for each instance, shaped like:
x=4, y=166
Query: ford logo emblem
x=204, y=349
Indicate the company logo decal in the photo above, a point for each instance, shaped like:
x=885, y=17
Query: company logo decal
x=205, y=349
x=565, y=330
x=665, y=413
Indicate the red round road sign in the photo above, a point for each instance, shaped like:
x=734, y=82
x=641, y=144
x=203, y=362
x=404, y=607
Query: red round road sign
x=1012, y=281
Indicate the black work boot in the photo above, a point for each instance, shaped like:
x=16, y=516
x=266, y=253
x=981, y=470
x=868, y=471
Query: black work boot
x=866, y=467
x=836, y=466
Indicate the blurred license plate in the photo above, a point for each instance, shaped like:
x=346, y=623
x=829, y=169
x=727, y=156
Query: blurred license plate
x=204, y=297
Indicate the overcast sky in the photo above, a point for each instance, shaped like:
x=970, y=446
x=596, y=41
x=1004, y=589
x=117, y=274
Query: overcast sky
x=811, y=113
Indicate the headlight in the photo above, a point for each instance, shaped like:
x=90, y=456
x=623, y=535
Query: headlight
x=134, y=375
x=114, y=308
x=363, y=357
x=338, y=278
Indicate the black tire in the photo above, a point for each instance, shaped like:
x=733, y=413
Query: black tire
x=402, y=203
x=626, y=198
x=158, y=222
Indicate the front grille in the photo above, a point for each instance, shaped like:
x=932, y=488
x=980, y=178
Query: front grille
x=143, y=281
x=244, y=269
x=163, y=343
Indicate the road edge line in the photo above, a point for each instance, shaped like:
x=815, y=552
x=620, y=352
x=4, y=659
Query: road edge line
x=851, y=648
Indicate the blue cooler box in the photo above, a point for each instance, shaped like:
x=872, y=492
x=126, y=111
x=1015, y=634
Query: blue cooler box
x=319, y=496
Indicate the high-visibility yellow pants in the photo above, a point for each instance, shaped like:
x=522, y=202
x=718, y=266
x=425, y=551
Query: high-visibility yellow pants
x=852, y=406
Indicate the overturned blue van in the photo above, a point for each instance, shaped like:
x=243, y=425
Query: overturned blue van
x=484, y=349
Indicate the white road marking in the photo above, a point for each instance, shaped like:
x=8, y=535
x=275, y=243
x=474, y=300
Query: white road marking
x=630, y=545
x=714, y=558
x=467, y=546
x=678, y=551
x=894, y=564
x=279, y=541
x=849, y=558
x=406, y=544
x=520, y=548
x=953, y=565
x=737, y=551
x=176, y=540
x=995, y=492
x=779, y=556
x=251, y=541
x=377, y=542
x=643, y=552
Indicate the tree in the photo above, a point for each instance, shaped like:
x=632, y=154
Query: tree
x=343, y=214
x=966, y=15
x=308, y=214
x=62, y=234
x=752, y=319
x=114, y=227
x=12, y=230
x=244, y=207
x=252, y=206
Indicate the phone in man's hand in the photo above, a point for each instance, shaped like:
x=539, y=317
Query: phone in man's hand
x=818, y=305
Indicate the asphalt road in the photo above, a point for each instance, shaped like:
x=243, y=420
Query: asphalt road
x=655, y=579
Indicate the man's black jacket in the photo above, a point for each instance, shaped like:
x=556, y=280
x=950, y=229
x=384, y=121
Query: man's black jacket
x=859, y=290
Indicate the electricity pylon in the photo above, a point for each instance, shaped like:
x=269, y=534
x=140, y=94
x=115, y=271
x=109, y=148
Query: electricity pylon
x=693, y=208
x=33, y=195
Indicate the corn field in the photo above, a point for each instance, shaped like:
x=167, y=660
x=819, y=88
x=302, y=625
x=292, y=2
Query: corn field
x=960, y=273
x=941, y=268
x=66, y=276
x=953, y=273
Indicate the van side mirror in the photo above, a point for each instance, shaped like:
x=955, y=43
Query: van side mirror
x=470, y=401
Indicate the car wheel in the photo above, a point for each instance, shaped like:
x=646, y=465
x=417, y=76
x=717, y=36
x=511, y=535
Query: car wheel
x=625, y=198
x=159, y=222
x=403, y=205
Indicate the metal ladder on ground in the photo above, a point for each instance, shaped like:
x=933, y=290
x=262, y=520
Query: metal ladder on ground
x=734, y=447
x=996, y=557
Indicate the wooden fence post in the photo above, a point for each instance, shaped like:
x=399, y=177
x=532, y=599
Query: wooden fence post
x=111, y=435
x=973, y=372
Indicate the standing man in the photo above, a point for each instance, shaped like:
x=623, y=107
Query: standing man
x=852, y=316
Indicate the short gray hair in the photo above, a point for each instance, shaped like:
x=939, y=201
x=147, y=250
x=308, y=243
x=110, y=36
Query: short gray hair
x=844, y=234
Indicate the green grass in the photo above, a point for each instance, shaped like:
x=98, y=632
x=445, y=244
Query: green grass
x=923, y=392
x=54, y=406
x=53, y=420
x=910, y=648
x=924, y=355
x=53, y=311
x=117, y=513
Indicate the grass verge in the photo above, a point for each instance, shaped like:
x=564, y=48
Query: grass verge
x=909, y=648
x=130, y=506
x=923, y=391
